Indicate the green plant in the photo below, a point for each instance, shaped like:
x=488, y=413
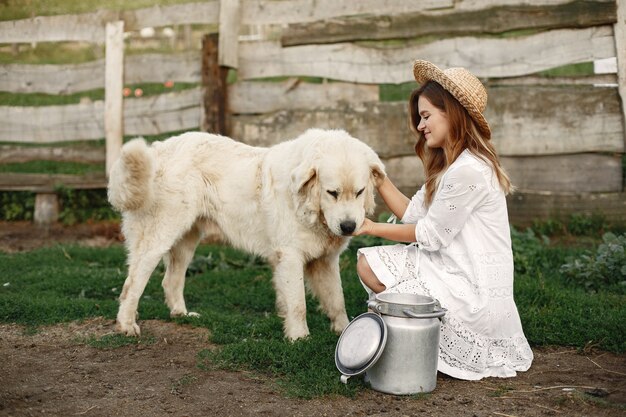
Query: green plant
x=79, y=206
x=528, y=251
x=16, y=205
x=549, y=227
x=586, y=225
x=606, y=267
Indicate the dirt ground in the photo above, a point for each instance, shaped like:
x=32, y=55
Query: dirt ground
x=54, y=372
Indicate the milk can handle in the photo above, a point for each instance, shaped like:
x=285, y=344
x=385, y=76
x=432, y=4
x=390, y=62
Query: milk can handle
x=435, y=314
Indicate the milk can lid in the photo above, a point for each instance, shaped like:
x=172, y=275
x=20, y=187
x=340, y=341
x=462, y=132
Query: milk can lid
x=361, y=343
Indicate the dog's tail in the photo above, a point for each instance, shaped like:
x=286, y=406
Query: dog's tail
x=131, y=181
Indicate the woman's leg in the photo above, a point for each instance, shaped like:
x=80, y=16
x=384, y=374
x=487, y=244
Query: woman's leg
x=367, y=275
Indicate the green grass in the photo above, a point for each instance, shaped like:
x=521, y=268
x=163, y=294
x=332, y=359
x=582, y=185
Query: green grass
x=233, y=293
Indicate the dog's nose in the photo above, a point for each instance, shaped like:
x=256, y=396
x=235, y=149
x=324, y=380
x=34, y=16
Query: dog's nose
x=347, y=227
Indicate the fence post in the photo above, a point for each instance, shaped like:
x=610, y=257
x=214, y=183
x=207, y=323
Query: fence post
x=214, y=83
x=619, y=31
x=113, y=85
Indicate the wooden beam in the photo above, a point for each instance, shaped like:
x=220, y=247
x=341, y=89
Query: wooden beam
x=228, y=48
x=215, y=91
x=525, y=208
x=74, y=78
x=519, y=55
x=49, y=183
x=451, y=22
x=114, y=83
x=10, y=154
x=620, y=47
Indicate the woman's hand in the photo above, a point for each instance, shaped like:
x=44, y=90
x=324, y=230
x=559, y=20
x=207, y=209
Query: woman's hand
x=365, y=228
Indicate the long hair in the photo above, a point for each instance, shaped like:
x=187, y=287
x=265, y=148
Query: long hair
x=462, y=134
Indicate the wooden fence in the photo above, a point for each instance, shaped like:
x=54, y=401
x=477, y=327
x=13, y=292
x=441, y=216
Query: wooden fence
x=562, y=138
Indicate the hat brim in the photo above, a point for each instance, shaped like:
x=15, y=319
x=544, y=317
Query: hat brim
x=425, y=71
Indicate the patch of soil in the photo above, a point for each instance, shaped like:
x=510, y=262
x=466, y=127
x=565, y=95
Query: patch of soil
x=25, y=236
x=55, y=372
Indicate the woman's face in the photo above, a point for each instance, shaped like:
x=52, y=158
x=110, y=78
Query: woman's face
x=433, y=123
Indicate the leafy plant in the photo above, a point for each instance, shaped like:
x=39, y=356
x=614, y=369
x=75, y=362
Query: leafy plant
x=16, y=205
x=528, y=250
x=584, y=225
x=78, y=206
x=606, y=267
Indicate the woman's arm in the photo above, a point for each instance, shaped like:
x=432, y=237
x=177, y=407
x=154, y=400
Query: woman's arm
x=395, y=232
x=393, y=198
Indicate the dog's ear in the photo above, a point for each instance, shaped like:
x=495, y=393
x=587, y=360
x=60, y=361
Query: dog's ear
x=305, y=189
x=378, y=173
x=303, y=177
x=377, y=176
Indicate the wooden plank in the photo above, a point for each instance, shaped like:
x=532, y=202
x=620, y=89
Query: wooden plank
x=147, y=115
x=406, y=172
x=227, y=49
x=113, y=85
x=535, y=80
x=249, y=97
x=542, y=120
x=48, y=183
x=81, y=154
x=577, y=173
x=383, y=126
x=48, y=124
x=524, y=208
x=451, y=22
x=356, y=63
x=620, y=47
x=52, y=79
x=524, y=121
x=69, y=79
x=90, y=27
x=580, y=173
x=265, y=12
x=204, y=12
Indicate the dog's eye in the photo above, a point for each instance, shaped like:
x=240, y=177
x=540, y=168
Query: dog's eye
x=335, y=194
x=358, y=193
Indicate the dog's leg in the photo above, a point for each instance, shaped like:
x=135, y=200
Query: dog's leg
x=290, y=294
x=176, y=262
x=325, y=283
x=141, y=264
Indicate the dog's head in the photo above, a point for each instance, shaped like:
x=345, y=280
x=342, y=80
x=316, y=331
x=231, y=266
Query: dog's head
x=335, y=182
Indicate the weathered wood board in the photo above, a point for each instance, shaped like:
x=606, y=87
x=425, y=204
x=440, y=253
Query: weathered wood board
x=485, y=56
x=69, y=79
x=81, y=154
x=451, y=22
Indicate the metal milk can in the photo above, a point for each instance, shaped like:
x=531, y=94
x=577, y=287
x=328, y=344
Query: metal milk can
x=396, y=346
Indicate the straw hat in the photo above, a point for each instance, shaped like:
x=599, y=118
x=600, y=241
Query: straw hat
x=463, y=86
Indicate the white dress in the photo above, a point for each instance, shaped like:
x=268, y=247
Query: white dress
x=463, y=258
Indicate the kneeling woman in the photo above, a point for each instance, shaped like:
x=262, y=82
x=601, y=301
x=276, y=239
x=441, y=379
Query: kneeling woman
x=457, y=225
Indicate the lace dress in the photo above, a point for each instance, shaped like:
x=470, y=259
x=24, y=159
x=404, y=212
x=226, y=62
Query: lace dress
x=463, y=258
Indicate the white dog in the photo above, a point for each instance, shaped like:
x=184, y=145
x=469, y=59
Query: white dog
x=295, y=204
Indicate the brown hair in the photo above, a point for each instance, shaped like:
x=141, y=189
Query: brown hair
x=463, y=134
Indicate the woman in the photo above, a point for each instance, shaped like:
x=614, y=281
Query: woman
x=457, y=223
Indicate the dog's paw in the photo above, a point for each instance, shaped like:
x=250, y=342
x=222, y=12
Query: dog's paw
x=129, y=329
x=294, y=335
x=338, y=325
x=185, y=313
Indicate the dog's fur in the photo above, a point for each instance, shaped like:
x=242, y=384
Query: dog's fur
x=295, y=204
